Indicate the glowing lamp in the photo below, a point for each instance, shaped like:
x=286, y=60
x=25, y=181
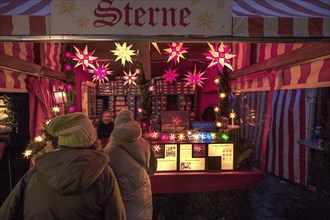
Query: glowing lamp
x=60, y=97
x=222, y=95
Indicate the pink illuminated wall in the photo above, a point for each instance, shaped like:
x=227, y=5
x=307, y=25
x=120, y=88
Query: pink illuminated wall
x=208, y=95
x=80, y=76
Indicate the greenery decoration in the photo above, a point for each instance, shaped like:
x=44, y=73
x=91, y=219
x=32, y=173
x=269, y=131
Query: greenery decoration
x=144, y=92
x=223, y=102
x=68, y=68
x=7, y=114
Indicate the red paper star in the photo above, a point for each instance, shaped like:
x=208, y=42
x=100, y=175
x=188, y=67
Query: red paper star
x=170, y=75
x=195, y=78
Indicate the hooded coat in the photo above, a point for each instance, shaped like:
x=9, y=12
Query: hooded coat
x=133, y=161
x=66, y=184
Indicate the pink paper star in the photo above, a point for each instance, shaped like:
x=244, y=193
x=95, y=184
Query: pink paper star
x=175, y=52
x=100, y=72
x=170, y=75
x=195, y=78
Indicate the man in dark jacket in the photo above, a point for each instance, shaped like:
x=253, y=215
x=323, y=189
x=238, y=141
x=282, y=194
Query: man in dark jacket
x=71, y=182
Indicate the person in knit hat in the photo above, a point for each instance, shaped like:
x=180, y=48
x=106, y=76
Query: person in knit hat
x=72, y=182
x=133, y=161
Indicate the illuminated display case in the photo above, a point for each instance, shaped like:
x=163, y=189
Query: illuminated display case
x=194, y=156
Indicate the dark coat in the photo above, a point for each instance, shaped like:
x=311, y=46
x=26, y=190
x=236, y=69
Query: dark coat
x=104, y=130
x=67, y=184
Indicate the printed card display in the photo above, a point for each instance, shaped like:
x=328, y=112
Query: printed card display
x=166, y=155
x=192, y=157
x=226, y=151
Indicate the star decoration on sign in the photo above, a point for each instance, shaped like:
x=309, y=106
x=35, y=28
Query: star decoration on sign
x=84, y=58
x=175, y=52
x=123, y=53
x=205, y=20
x=156, y=148
x=221, y=4
x=100, y=72
x=170, y=75
x=130, y=78
x=194, y=2
x=82, y=22
x=195, y=78
x=219, y=55
x=197, y=148
x=66, y=7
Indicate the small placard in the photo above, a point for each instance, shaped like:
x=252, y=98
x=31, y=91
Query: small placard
x=167, y=156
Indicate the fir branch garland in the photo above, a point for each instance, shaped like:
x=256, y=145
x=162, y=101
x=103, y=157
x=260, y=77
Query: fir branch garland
x=8, y=111
x=144, y=92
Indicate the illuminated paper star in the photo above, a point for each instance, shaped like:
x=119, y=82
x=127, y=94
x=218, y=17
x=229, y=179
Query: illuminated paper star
x=217, y=80
x=195, y=78
x=82, y=22
x=205, y=20
x=219, y=56
x=172, y=137
x=84, y=58
x=123, y=53
x=175, y=52
x=129, y=78
x=216, y=109
x=222, y=95
x=232, y=114
x=100, y=72
x=197, y=148
x=151, y=88
x=196, y=137
x=38, y=139
x=66, y=7
x=56, y=109
x=213, y=135
x=181, y=136
x=170, y=75
x=202, y=136
x=219, y=124
x=155, y=135
x=156, y=148
x=225, y=136
x=139, y=110
x=27, y=153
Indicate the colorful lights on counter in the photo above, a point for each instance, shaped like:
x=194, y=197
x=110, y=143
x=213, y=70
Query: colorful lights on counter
x=189, y=136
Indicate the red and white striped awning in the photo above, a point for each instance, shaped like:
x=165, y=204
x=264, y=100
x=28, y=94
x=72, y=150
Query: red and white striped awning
x=281, y=18
x=311, y=74
x=13, y=81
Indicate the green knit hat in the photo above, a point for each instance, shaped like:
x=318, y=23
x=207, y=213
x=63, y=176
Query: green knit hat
x=72, y=130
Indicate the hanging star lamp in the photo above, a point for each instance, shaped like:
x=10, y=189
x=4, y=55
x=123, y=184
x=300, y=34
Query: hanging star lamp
x=175, y=52
x=123, y=53
x=84, y=58
x=170, y=75
x=195, y=78
x=130, y=78
x=219, y=56
x=100, y=72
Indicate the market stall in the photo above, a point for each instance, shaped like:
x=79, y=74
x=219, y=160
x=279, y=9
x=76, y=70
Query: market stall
x=274, y=56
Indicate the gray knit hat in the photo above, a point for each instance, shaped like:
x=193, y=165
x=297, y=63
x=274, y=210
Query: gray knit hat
x=125, y=128
x=72, y=130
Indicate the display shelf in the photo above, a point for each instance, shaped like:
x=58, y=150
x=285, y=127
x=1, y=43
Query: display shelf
x=183, y=182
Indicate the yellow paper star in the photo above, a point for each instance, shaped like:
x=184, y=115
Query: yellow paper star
x=124, y=53
x=232, y=114
x=205, y=20
x=38, y=139
x=221, y=4
x=181, y=136
x=82, y=22
x=66, y=7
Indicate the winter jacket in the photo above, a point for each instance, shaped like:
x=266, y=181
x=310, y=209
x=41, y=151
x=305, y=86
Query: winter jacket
x=133, y=178
x=66, y=184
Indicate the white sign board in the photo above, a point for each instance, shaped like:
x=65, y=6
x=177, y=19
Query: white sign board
x=141, y=17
